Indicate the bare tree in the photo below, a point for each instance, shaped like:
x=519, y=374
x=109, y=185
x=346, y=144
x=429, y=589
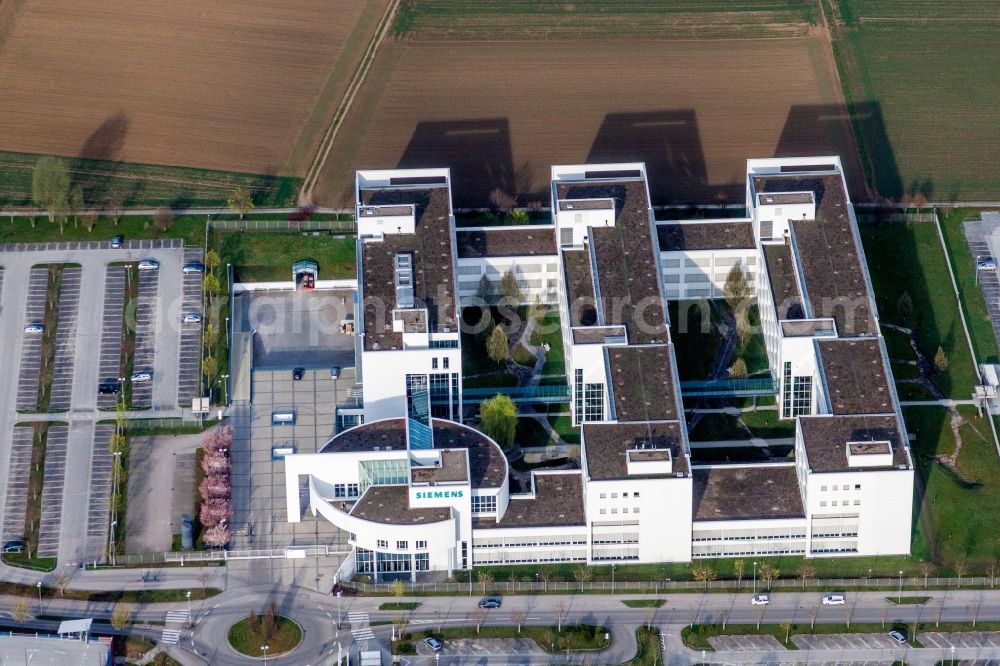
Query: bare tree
x=848, y=611
x=21, y=612
x=114, y=206
x=484, y=577
x=479, y=616
x=739, y=568
x=62, y=582
x=806, y=573
x=90, y=221
x=560, y=611
x=813, y=612
x=960, y=570
x=992, y=570
x=926, y=568
x=502, y=201
x=582, y=574
x=518, y=616
x=401, y=622
x=76, y=204
x=545, y=575
x=163, y=218
x=768, y=574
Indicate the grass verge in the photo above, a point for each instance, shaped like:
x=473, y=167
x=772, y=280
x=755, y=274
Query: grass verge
x=644, y=603
x=51, y=322
x=33, y=509
x=908, y=601
x=551, y=639
x=399, y=606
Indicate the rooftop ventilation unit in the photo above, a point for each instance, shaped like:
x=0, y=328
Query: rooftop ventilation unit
x=404, y=281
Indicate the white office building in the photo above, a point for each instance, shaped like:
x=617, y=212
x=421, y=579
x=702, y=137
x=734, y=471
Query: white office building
x=419, y=491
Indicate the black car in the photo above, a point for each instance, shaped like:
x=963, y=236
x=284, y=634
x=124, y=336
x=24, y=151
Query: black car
x=297, y=373
x=108, y=388
x=116, y=242
x=490, y=602
x=15, y=546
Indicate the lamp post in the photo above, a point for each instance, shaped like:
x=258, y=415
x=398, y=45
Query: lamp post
x=953, y=655
x=612, y=578
x=39, y=586
x=264, y=648
x=899, y=597
x=755, y=578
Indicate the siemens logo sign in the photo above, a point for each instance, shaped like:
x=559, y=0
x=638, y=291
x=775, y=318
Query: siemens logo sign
x=439, y=494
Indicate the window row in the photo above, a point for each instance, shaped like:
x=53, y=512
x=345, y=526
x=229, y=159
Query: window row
x=484, y=504
x=614, y=511
x=615, y=495
x=400, y=545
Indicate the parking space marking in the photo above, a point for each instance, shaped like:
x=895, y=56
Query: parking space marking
x=31, y=345
x=52, y=491
x=100, y=492
x=111, y=332
x=145, y=337
x=65, y=352
x=189, y=354
x=19, y=471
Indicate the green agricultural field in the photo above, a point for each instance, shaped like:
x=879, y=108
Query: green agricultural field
x=675, y=19
x=909, y=258
x=925, y=80
x=266, y=256
x=959, y=515
x=144, y=184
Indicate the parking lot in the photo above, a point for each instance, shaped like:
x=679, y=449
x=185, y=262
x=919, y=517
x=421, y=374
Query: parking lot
x=65, y=353
x=298, y=328
x=88, y=344
x=984, y=241
x=745, y=643
x=940, y=639
x=879, y=641
x=31, y=345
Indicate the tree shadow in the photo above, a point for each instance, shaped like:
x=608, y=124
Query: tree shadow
x=478, y=152
x=670, y=144
x=95, y=167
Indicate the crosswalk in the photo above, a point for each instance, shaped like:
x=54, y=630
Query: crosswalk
x=172, y=634
x=360, y=628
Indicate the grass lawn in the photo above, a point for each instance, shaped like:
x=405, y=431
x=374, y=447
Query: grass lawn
x=648, y=649
x=399, y=606
x=897, y=345
x=909, y=259
x=144, y=184
x=286, y=636
x=531, y=433
x=26, y=561
x=765, y=424
x=644, y=603
x=189, y=228
x=717, y=427
x=960, y=516
x=268, y=256
x=976, y=315
x=909, y=601
x=550, y=639
x=564, y=426
x=547, y=330
x=522, y=356
x=495, y=379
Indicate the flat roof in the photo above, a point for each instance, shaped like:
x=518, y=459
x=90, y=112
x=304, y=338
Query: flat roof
x=699, y=235
x=855, y=376
x=828, y=252
x=558, y=502
x=390, y=505
x=579, y=287
x=642, y=382
x=433, y=270
x=596, y=335
x=487, y=465
x=607, y=444
x=746, y=493
x=452, y=469
x=48, y=650
x=529, y=241
x=628, y=274
x=781, y=198
x=825, y=438
x=784, y=283
x=806, y=327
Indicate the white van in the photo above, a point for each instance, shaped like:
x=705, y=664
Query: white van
x=835, y=599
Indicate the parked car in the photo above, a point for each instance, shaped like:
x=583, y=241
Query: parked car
x=490, y=602
x=194, y=267
x=149, y=265
x=986, y=264
x=116, y=242
x=836, y=599
x=34, y=328
x=192, y=318
x=15, y=546
x=761, y=599
x=898, y=637
x=433, y=643
x=108, y=388
x=141, y=377
x=298, y=373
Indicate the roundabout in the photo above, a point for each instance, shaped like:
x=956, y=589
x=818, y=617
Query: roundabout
x=265, y=635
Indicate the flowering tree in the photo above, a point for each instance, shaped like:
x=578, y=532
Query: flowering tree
x=215, y=463
x=216, y=536
x=215, y=512
x=215, y=486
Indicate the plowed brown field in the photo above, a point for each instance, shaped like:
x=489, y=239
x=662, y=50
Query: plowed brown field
x=500, y=113
x=239, y=85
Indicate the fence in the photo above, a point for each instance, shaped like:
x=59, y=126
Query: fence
x=139, y=426
x=347, y=226
x=889, y=585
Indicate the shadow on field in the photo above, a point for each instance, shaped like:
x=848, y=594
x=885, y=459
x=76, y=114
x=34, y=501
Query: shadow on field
x=104, y=145
x=825, y=129
x=670, y=144
x=478, y=152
